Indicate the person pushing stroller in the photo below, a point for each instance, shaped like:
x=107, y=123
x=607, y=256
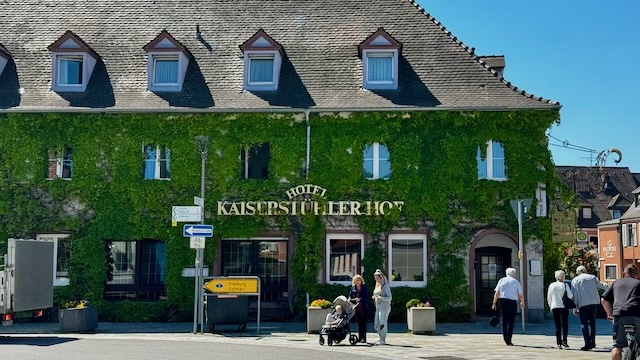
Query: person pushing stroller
x=336, y=326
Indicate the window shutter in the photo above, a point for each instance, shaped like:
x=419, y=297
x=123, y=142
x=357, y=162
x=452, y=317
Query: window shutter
x=625, y=235
x=634, y=235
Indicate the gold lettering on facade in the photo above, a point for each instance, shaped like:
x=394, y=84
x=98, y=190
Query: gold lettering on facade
x=308, y=206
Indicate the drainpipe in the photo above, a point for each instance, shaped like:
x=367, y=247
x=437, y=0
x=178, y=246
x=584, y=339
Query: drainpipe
x=306, y=119
x=306, y=176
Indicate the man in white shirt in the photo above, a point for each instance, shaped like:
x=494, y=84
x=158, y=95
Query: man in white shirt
x=507, y=292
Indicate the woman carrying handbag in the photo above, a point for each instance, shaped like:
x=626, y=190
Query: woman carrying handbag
x=559, y=298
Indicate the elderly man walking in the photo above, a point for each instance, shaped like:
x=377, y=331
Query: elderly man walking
x=587, y=298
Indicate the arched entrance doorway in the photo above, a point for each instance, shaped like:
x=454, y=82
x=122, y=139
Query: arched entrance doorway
x=492, y=251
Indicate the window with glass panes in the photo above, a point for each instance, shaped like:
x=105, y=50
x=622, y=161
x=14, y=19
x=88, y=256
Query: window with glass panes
x=60, y=163
x=261, y=69
x=492, y=165
x=135, y=270
x=70, y=70
x=407, y=259
x=344, y=257
x=156, y=162
x=611, y=272
x=254, y=162
x=377, y=163
x=165, y=70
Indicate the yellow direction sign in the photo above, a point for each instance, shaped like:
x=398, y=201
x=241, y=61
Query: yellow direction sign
x=233, y=285
x=563, y=226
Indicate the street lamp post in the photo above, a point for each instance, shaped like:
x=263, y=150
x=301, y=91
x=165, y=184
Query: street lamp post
x=520, y=208
x=202, y=146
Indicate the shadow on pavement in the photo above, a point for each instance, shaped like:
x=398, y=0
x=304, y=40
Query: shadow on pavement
x=33, y=341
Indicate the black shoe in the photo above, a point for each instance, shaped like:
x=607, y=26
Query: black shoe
x=565, y=344
x=586, y=348
x=509, y=343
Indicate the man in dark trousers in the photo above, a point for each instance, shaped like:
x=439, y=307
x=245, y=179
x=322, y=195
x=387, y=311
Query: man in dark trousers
x=507, y=292
x=586, y=296
x=621, y=301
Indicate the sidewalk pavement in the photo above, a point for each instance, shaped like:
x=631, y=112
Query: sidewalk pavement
x=451, y=341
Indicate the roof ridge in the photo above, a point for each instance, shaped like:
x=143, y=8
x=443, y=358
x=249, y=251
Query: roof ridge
x=471, y=52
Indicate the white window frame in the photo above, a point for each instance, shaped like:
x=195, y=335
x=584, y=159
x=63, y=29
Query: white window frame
x=262, y=54
x=586, y=212
x=633, y=235
x=341, y=236
x=88, y=63
x=376, y=160
x=57, y=280
x=60, y=164
x=605, y=271
x=409, y=283
x=156, y=172
x=380, y=85
x=489, y=161
x=183, y=63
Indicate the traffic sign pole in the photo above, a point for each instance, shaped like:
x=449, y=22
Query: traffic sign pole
x=520, y=253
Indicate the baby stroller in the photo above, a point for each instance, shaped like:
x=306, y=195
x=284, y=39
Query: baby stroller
x=338, y=331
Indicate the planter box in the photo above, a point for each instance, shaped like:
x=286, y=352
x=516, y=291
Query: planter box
x=421, y=320
x=316, y=317
x=78, y=320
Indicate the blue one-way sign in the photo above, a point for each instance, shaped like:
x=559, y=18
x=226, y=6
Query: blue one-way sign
x=198, y=230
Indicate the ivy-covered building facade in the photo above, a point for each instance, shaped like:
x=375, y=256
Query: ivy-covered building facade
x=344, y=137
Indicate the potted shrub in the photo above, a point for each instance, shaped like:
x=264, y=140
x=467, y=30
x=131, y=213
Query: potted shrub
x=421, y=317
x=78, y=316
x=316, y=315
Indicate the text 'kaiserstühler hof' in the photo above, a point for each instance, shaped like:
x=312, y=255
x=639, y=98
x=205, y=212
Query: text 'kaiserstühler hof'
x=307, y=205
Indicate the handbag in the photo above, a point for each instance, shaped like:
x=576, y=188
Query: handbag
x=568, y=303
x=495, y=319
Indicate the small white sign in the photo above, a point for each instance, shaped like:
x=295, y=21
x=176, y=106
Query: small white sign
x=492, y=269
x=197, y=201
x=186, y=213
x=535, y=267
x=196, y=242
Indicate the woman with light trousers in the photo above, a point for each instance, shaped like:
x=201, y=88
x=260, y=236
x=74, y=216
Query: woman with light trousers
x=382, y=300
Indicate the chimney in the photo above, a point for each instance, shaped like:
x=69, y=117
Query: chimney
x=494, y=62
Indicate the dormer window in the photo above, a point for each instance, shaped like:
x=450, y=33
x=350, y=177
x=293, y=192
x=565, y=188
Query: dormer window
x=262, y=62
x=380, y=53
x=167, y=63
x=5, y=56
x=72, y=63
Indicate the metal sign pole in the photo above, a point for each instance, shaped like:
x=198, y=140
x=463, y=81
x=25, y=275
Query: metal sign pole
x=258, y=320
x=195, y=297
x=520, y=254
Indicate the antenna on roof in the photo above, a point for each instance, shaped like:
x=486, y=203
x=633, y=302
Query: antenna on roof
x=201, y=39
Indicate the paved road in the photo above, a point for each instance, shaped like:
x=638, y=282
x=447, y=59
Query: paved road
x=289, y=341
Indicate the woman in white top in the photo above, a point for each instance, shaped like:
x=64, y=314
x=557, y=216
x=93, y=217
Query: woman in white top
x=382, y=299
x=560, y=313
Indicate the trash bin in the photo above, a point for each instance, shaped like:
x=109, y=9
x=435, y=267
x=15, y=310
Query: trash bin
x=227, y=310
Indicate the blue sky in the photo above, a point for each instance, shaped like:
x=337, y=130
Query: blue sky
x=583, y=53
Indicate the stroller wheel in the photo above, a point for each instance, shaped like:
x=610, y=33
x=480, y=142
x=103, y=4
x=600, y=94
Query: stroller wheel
x=353, y=339
x=321, y=341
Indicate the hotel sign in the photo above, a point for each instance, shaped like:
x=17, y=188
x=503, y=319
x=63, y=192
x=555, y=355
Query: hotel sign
x=300, y=203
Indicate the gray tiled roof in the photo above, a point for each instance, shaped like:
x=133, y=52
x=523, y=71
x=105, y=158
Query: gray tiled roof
x=587, y=183
x=321, y=67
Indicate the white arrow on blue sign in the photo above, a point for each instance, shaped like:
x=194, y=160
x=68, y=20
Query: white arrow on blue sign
x=197, y=230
